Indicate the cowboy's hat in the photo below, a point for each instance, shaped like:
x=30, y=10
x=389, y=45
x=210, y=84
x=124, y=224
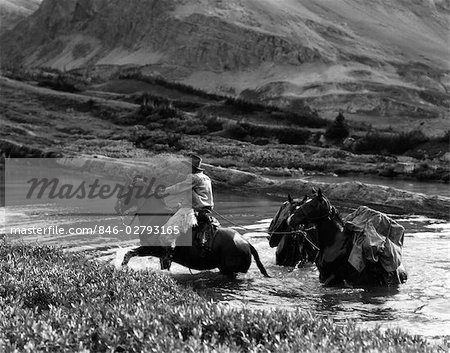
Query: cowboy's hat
x=195, y=162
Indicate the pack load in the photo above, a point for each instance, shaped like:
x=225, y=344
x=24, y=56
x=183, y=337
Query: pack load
x=378, y=238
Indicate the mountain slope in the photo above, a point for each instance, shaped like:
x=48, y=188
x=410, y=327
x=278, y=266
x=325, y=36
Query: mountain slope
x=379, y=59
x=13, y=11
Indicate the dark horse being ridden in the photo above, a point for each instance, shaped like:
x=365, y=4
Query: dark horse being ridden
x=294, y=246
x=229, y=252
x=335, y=245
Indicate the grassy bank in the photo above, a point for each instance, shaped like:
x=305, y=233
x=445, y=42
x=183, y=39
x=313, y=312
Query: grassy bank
x=54, y=301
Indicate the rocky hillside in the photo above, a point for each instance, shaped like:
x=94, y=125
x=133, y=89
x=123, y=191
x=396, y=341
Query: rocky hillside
x=382, y=62
x=13, y=11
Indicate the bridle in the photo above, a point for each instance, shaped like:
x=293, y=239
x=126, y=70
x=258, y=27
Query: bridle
x=330, y=213
x=296, y=232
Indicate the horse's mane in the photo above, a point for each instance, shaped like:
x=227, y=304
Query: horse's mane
x=276, y=221
x=336, y=216
x=333, y=213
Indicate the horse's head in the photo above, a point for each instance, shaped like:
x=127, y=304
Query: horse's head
x=311, y=211
x=279, y=227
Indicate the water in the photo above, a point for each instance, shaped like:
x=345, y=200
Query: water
x=420, y=306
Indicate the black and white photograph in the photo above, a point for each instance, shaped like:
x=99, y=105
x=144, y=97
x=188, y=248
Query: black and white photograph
x=225, y=176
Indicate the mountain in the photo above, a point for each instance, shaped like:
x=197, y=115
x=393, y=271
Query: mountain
x=379, y=61
x=13, y=11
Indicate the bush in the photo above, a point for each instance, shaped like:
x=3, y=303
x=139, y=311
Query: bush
x=261, y=141
x=213, y=124
x=338, y=129
x=247, y=107
x=238, y=131
x=390, y=143
x=167, y=141
x=185, y=126
x=249, y=132
x=166, y=111
x=62, y=82
x=293, y=136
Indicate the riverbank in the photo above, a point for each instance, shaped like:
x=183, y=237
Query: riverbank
x=55, y=301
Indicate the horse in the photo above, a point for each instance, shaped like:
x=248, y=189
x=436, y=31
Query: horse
x=229, y=252
x=294, y=246
x=335, y=244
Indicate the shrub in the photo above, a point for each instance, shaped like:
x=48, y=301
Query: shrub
x=166, y=111
x=213, y=124
x=245, y=131
x=62, y=82
x=167, y=141
x=293, y=136
x=261, y=141
x=247, y=107
x=338, y=129
x=390, y=143
x=237, y=131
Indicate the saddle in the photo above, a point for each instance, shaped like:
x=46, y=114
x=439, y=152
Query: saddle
x=204, y=232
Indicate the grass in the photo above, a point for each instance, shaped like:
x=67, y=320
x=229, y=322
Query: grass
x=54, y=301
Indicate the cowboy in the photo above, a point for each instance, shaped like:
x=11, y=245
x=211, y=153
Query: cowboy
x=197, y=189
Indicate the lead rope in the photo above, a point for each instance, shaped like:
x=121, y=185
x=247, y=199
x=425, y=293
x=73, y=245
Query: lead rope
x=305, y=236
x=228, y=220
x=314, y=246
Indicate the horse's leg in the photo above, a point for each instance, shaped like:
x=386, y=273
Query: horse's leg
x=128, y=256
x=166, y=262
x=139, y=251
x=230, y=275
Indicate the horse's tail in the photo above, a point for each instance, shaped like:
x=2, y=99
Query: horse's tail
x=258, y=261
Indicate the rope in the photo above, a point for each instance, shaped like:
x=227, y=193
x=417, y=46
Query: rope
x=314, y=246
x=304, y=234
x=228, y=220
x=242, y=227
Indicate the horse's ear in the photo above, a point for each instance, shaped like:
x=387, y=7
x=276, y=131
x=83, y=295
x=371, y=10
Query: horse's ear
x=304, y=198
x=319, y=193
x=314, y=190
x=290, y=198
